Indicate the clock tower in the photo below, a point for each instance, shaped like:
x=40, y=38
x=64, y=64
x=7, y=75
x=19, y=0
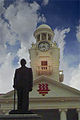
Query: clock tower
x=45, y=54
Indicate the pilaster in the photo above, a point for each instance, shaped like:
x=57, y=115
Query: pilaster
x=78, y=110
x=47, y=36
x=40, y=36
x=63, y=115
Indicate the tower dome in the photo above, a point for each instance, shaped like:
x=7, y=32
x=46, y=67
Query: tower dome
x=43, y=32
x=44, y=26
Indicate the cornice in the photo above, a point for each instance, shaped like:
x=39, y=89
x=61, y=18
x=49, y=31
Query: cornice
x=49, y=99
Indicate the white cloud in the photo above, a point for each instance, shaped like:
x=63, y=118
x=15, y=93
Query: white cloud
x=75, y=79
x=45, y=2
x=42, y=18
x=60, y=40
x=24, y=53
x=2, y=9
x=6, y=74
x=78, y=33
x=22, y=20
x=71, y=74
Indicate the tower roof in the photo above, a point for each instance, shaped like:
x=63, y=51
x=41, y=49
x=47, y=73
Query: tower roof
x=44, y=26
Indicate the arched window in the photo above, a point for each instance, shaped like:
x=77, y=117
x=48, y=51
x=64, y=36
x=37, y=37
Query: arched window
x=43, y=36
x=38, y=37
x=49, y=37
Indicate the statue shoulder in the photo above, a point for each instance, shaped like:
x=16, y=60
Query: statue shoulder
x=18, y=69
x=30, y=70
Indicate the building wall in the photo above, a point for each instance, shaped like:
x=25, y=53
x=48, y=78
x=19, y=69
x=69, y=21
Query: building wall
x=52, y=56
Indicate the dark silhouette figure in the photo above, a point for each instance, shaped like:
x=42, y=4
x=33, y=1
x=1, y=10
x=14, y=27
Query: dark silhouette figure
x=23, y=83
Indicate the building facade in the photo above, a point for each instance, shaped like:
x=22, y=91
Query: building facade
x=50, y=97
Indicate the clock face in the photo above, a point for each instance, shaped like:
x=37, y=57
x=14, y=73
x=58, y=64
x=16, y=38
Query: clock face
x=43, y=46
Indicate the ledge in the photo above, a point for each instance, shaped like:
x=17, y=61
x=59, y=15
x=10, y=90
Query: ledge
x=20, y=117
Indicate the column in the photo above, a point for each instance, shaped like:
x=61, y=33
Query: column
x=47, y=36
x=63, y=115
x=78, y=110
x=40, y=36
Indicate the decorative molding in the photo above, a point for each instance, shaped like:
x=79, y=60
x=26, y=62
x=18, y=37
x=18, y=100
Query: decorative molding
x=63, y=110
x=47, y=99
x=78, y=109
x=43, y=89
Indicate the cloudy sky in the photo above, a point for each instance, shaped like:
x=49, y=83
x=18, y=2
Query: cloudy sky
x=18, y=21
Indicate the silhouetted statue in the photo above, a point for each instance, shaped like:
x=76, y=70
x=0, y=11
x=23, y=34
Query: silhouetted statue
x=23, y=83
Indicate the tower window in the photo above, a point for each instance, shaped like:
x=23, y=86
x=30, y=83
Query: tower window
x=38, y=38
x=43, y=63
x=43, y=36
x=49, y=37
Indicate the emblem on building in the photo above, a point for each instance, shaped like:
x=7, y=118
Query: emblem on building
x=43, y=89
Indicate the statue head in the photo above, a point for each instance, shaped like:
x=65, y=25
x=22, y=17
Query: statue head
x=23, y=62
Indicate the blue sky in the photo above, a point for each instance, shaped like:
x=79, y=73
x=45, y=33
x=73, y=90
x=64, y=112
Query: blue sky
x=62, y=14
x=18, y=21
